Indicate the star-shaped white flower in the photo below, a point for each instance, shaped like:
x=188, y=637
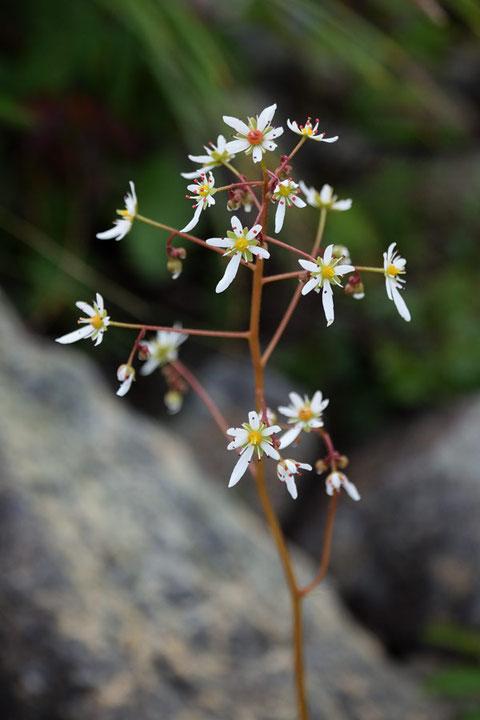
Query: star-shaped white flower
x=94, y=325
x=310, y=131
x=286, y=471
x=203, y=191
x=257, y=137
x=163, y=350
x=336, y=480
x=241, y=243
x=252, y=437
x=304, y=414
x=285, y=193
x=324, y=273
x=325, y=198
x=126, y=375
x=216, y=156
x=393, y=266
x=127, y=216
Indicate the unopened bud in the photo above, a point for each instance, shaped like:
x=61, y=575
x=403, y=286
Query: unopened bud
x=342, y=462
x=321, y=466
x=181, y=253
x=359, y=292
x=173, y=401
x=340, y=251
x=233, y=205
x=124, y=372
x=174, y=267
x=143, y=352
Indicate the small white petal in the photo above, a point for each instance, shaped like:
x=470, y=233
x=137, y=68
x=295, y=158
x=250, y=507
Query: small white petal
x=327, y=255
x=261, y=252
x=326, y=194
x=257, y=154
x=220, y=242
x=86, y=308
x=265, y=117
x=351, y=489
x=270, y=450
x=80, y=334
x=241, y=466
x=237, y=146
x=291, y=487
x=237, y=226
x=280, y=215
x=274, y=133
x=253, y=420
x=298, y=201
x=327, y=301
x=149, y=366
x=342, y=205
x=290, y=436
x=195, y=218
x=400, y=304
x=236, y=124
x=308, y=265
x=327, y=140
x=310, y=285
x=230, y=273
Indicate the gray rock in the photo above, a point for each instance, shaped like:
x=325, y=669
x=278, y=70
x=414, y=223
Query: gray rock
x=408, y=556
x=132, y=587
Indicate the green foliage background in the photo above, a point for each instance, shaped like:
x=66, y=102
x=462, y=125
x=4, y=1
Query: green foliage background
x=98, y=92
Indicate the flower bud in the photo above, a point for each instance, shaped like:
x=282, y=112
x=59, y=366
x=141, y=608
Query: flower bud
x=342, y=462
x=124, y=372
x=173, y=401
x=174, y=267
x=181, y=253
x=320, y=466
x=143, y=352
x=340, y=251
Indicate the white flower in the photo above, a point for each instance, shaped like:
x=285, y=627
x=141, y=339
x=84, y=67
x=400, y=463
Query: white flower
x=325, y=198
x=126, y=375
x=309, y=131
x=256, y=137
x=216, y=156
x=96, y=323
x=303, y=414
x=241, y=243
x=286, y=470
x=163, y=350
x=203, y=192
x=336, y=480
x=253, y=436
x=393, y=266
x=124, y=225
x=323, y=273
x=285, y=193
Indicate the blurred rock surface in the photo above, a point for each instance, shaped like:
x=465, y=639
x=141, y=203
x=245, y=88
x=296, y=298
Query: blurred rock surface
x=133, y=587
x=408, y=558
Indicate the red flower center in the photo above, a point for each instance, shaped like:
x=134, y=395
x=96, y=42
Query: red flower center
x=255, y=137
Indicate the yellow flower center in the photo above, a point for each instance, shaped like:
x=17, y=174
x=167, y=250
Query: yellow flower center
x=241, y=244
x=96, y=321
x=204, y=190
x=254, y=437
x=284, y=190
x=255, y=137
x=328, y=272
x=125, y=214
x=305, y=414
x=392, y=270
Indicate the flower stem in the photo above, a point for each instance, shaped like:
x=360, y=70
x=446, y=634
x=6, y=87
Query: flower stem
x=321, y=228
x=289, y=247
x=187, y=236
x=242, y=177
x=204, y=396
x=135, y=345
x=327, y=543
x=266, y=504
x=282, y=325
x=370, y=269
x=283, y=276
x=185, y=331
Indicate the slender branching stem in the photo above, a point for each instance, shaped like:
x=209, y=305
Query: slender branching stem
x=327, y=543
x=293, y=249
x=183, y=331
x=204, y=396
x=187, y=236
x=370, y=269
x=282, y=276
x=242, y=177
x=135, y=346
x=320, y=229
x=282, y=325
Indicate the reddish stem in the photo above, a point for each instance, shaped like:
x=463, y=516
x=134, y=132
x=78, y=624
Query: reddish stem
x=202, y=394
x=184, y=331
x=135, y=346
x=283, y=276
x=327, y=543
